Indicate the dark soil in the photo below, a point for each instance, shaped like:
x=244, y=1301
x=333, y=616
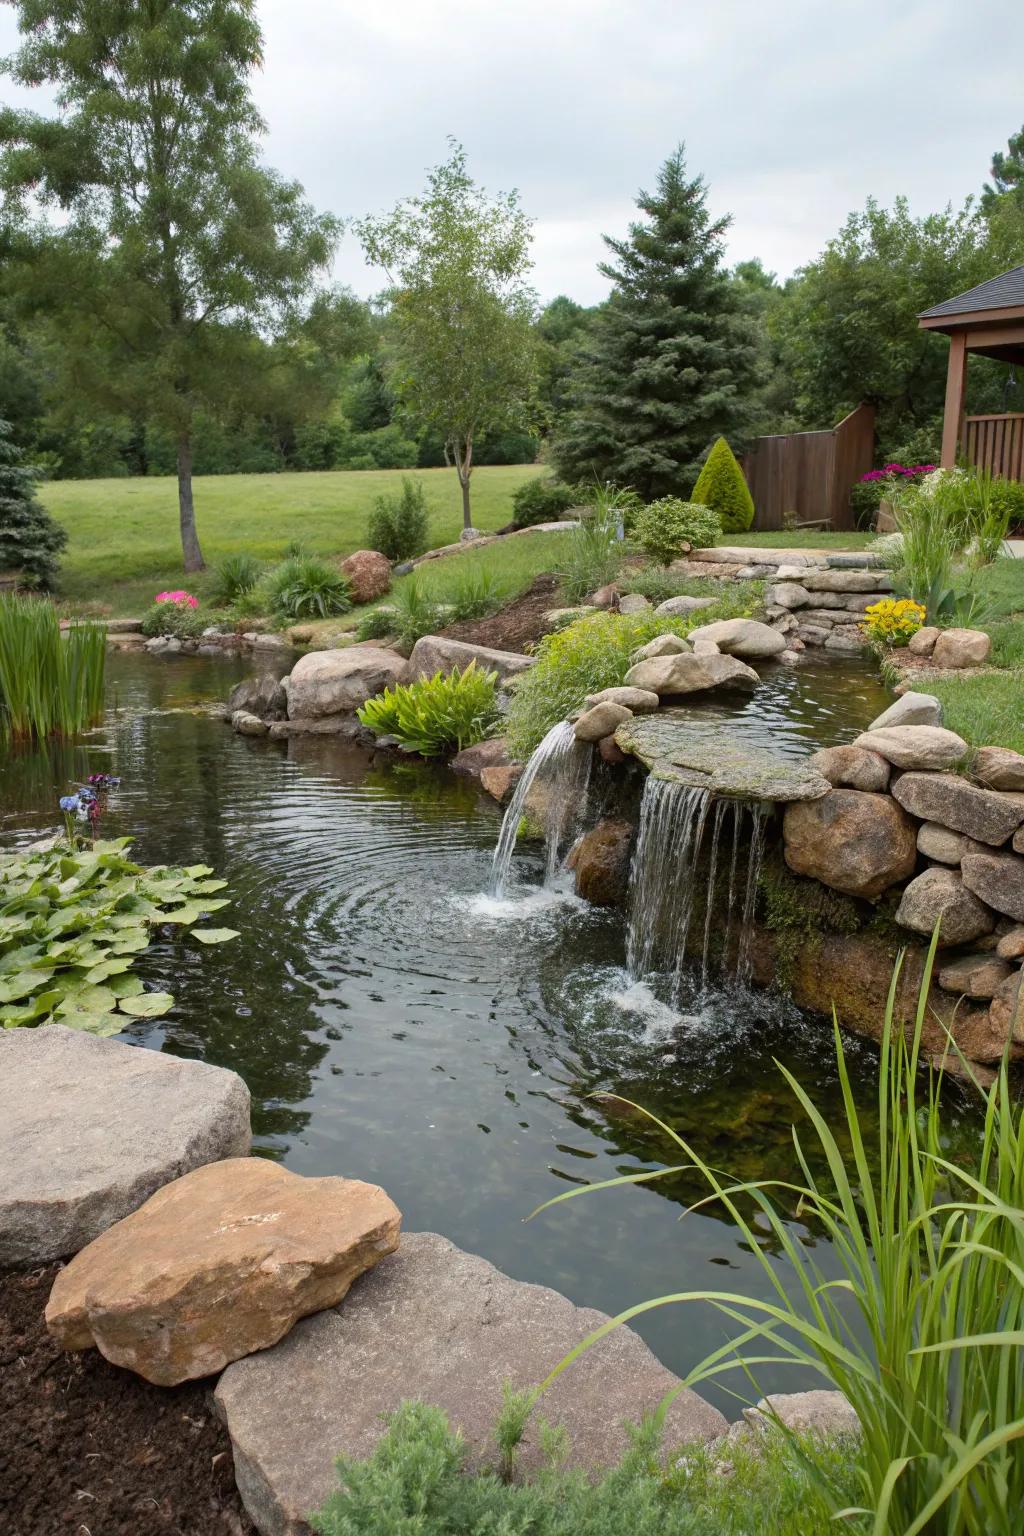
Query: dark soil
x=518, y=626
x=92, y=1450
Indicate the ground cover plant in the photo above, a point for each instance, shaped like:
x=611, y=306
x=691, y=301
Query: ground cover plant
x=436, y=714
x=931, y=1257
x=50, y=685
x=417, y=1481
x=72, y=921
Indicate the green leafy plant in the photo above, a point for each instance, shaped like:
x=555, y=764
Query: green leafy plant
x=304, y=587
x=667, y=528
x=398, y=525
x=476, y=592
x=72, y=921
x=436, y=714
x=233, y=577
x=30, y=541
x=178, y=621
x=376, y=623
x=50, y=684
x=721, y=485
x=658, y=584
x=543, y=500
x=930, y=1254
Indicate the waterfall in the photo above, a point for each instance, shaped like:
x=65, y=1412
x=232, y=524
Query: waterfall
x=673, y=836
x=561, y=768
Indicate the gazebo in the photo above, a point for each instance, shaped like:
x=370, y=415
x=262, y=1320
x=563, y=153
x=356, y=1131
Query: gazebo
x=989, y=320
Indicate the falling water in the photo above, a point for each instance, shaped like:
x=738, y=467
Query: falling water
x=673, y=836
x=561, y=764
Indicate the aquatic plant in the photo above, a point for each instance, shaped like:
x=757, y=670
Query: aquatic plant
x=930, y=1256
x=436, y=714
x=50, y=684
x=74, y=920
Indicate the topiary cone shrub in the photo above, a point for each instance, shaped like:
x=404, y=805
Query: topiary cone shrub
x=721, y=485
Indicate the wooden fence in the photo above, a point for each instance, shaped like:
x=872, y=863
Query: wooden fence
x=996, y=443
x=810, y=474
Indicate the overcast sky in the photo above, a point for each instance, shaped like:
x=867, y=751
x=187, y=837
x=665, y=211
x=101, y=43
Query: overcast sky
x=795, y=111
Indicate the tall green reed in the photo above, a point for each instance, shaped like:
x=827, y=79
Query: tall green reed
x=51, y=684
x=923, y=1330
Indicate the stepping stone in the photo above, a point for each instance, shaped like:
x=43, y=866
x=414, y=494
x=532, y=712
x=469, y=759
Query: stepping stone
x=90, y=1128
x=218, y=1264
x=446, y=1327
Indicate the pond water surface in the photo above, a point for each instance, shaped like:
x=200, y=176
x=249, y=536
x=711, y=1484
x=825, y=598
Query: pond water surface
x=394, y=1025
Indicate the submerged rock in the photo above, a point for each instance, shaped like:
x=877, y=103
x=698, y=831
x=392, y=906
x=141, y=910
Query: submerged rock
x=247, y=724
x=667, y=744
x=852, y=841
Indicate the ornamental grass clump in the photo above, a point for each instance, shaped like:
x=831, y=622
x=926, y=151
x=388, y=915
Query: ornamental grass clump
x=305, y=587
x=51, y=684
x=919, y=1320
x=436, y=714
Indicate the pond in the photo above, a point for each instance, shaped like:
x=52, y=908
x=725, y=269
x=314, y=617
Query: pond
x=394, y=1025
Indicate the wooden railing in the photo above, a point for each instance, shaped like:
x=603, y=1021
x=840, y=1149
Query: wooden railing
x=996, y=443
x=809, y=475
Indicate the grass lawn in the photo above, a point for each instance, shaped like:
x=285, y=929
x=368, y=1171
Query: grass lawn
x=812, y=538
x=986, y=710
x=123, y=534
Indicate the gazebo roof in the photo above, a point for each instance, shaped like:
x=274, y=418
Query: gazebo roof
x=1000, y=293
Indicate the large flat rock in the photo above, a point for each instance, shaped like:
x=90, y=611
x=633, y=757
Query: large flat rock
x=666, y=744
x=338, y=682
x=436, y=653
x=90, y=1128
x=436, y=1324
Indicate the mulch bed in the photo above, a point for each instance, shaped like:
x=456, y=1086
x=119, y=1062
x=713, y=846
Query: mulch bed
x=93, y=1450
x=516, y=627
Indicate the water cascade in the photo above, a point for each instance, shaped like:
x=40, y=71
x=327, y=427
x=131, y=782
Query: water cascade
x=560, y=767
x=674, y=833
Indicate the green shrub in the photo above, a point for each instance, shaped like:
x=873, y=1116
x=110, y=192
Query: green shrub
x=178, y=621
x=30, y=540
x=664, y=529
x=721, y=485
x=101, y=908
x=436, y=714
x=926, y=1253
x=417, y=1483
x=304, y=587
x=594, y=653
x=1007, y=500
x=50, y=684
x=543, y=500
x=233, y=577
x=591, y=559
x=376, y=623
x=416, y=612
x=398, y=525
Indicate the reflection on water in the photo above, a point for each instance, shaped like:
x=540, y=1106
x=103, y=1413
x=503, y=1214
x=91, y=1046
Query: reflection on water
x=394, y=1024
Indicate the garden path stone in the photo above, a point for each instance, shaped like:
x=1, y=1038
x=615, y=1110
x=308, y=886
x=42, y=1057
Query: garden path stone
x=218, y=1264
x=434, y=1323
x=910, y=709
x=914, y=747
x=435, y=653
x=984, y=814
x=91, y=1128
x=338, y=682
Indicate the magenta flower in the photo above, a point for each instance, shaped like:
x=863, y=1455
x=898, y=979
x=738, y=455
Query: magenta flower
x=179, y=596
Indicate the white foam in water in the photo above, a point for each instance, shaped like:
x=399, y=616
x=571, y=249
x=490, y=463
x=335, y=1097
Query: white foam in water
x=562, y=766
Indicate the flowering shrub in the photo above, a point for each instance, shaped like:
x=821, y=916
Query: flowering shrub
x=174, y=617
x=894, y=471
x=178, y=597
x=892, y=621
x=879, y=485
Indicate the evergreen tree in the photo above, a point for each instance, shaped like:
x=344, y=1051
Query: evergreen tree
x=1007, y=173
x=671, y=360
x=30, y=540
x=721, y=485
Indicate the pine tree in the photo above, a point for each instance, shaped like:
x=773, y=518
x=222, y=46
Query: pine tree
x=30, y=540
x=721, y=485
x=671, y=361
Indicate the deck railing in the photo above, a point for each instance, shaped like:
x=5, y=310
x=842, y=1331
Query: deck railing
x=996, y=443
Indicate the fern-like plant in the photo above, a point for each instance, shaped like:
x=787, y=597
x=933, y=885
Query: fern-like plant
x=721, y=485
x=438, y=714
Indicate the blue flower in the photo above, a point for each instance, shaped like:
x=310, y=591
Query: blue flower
x=69, y=803
x=86, y=795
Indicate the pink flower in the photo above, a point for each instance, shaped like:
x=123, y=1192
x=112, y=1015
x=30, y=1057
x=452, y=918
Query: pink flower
x=180, y=596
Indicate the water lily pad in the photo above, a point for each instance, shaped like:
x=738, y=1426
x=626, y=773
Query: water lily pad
x=214, y=935
x=147, y=1005
x=94, y=1023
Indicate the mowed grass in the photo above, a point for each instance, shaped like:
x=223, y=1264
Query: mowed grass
x=123, y=534
x=986, y=709
x=811, y=538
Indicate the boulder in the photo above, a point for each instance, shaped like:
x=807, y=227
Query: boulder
x=634, y=602
x=684, y=605
x=940, y=894
x=368, y=574
x=974, y=975
x=435, y=654
x=601, y=720
x=983, y=814
x=1006, y=1010
x=915, y=746
x=500, y=780
x=90, y=1128
x=705, y=647
x=852, y=841
x=847, y=639
x=998, y=768
x=746, y=638
x=262, y=695
x=852, y=768
x=816, y=1412
x=601, y=862
x=639, y=701
x=959, y=648
x=670, y=675
x=910, y=709
x=998, y=879
x=663, y=645
x=610, y=751
x=605, y=597
x=846, y=581
x=436, y=1324
x=1018, y=840
x=944, y=846
x=218, y=1264
x=923, y=642
x=247, y=724
x=1011, y=945
x=338, y=682
x=471, y=761
x=787, y=594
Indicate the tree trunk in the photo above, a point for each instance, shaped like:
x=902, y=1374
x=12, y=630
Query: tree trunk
x=463, y=450
x=193, y=555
